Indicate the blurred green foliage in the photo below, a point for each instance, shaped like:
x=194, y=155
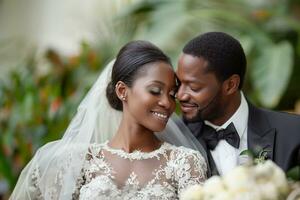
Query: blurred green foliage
x=36, y=105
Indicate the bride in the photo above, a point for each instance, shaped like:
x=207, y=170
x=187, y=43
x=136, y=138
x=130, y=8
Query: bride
x=132, y=164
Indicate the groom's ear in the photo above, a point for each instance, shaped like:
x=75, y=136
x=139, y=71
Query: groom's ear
x=231, y=85
x=121, y=90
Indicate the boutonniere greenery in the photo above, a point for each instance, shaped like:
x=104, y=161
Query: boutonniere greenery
x=261, y=156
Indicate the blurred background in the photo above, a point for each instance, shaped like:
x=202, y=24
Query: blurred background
x=51, y=52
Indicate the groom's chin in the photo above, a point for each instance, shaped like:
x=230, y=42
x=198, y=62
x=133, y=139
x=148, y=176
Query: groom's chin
x=191, y=118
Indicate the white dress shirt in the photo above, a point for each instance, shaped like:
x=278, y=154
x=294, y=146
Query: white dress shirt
x=226, y=157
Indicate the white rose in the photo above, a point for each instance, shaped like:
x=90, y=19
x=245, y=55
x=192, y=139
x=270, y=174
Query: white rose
x=270, y=173
x=194, y=192
x=224, y=195
x=249, y=195
x=268, y=191
x=279, y=179
x=213, y=186
x=239, y=180
x=263, y=171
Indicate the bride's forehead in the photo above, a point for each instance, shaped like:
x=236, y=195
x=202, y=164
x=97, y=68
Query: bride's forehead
x=156, y=73
x=155, y=70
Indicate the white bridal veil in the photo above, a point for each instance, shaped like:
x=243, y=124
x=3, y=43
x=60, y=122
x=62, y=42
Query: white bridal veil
x=53, y=171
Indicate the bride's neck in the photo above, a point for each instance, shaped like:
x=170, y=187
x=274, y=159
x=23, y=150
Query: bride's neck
x=131, y=137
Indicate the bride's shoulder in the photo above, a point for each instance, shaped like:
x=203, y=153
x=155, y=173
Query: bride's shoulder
x=62, y=146
x=183, y=155
x=181, y=149
x=94, y=149
x=184, y=152
x=59, y=150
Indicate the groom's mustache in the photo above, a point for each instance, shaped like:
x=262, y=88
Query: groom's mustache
x=188, y=104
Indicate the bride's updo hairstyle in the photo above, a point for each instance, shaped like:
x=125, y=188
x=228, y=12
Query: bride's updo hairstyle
x=130, y=60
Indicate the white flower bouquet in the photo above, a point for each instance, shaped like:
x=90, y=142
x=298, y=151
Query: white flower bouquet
x=264, y=181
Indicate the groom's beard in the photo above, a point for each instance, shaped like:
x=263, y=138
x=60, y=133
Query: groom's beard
x=212, y=110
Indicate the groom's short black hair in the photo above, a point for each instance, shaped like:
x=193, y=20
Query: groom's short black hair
x=224, y=54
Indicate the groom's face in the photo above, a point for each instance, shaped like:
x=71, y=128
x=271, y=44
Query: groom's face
x=200, y=92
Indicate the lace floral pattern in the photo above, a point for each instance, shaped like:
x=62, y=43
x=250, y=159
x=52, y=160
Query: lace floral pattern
x=33, y=188
x=48, y=181
x=162, y=174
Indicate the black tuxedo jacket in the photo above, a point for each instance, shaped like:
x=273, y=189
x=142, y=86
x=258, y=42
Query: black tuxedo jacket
x=277, y=133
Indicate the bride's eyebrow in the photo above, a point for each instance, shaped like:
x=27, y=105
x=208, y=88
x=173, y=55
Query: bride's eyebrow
x=163, y=84
x=158, y=82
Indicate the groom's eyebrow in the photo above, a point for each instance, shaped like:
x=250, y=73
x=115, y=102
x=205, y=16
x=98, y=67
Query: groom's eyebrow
x=194, y=81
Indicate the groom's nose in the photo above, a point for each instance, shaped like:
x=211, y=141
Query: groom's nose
x=182, y=95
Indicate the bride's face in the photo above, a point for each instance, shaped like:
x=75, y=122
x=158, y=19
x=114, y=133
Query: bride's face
x=151, y=99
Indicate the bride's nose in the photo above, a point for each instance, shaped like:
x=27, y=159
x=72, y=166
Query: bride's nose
x=166, y=101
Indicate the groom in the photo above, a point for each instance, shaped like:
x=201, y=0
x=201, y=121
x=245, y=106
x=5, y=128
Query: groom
x=211, y=71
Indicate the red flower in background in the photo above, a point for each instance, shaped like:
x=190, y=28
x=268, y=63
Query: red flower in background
x=55, y=105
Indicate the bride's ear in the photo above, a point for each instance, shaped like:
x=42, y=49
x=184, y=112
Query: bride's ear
x=121, y=90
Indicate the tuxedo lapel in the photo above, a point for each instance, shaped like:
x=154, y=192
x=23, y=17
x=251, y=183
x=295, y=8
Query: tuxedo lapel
x=212, y=168
x=212, y=165
x=197, y=129
x=261, y=136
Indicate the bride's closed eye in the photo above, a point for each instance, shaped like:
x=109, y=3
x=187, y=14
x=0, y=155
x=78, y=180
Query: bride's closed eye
x=158, y=91
x=155, y=90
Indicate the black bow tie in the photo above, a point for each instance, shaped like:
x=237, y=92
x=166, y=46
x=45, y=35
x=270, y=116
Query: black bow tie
x=212, y=137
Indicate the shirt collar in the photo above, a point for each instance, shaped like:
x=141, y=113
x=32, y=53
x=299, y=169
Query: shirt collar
x=239, y=118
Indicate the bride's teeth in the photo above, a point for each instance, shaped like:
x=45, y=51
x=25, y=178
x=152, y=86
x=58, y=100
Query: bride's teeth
x=160, y=115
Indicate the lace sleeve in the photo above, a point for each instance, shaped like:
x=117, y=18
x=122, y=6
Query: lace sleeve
x=27, y=187
x=81, y=180
x=33, y=189
x=190, y=168
x=79, y=183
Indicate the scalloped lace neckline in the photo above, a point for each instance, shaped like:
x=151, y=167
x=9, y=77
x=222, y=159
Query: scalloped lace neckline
x=137, y=154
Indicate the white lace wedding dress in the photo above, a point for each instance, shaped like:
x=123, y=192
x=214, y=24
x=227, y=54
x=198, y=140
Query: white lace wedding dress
x=162, y=174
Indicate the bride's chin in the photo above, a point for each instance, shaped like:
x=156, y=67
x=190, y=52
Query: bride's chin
x=158, y=128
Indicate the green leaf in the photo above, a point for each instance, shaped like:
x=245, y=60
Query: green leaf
x=294, y=173
x=247, y=152
x=271, y=72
